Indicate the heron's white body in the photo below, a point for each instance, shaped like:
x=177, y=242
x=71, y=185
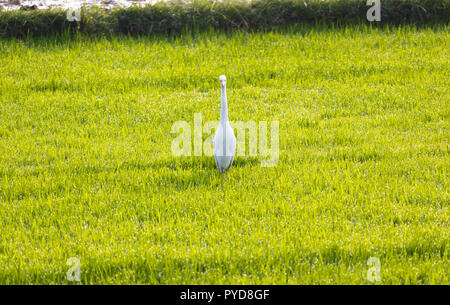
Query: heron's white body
x=224, y=142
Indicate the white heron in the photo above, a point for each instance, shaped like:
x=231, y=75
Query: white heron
x=224, y=143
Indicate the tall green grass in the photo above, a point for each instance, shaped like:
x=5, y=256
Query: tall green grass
x=86, y=168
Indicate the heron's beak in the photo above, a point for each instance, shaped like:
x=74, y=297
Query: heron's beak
x=223, y=83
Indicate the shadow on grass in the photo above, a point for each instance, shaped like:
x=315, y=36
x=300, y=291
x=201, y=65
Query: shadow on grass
x=191, y=172
x=203, y=163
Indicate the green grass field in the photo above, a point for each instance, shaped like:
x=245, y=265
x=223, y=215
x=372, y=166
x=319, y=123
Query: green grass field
x=86, y=168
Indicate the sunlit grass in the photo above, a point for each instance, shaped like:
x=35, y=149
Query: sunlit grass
x=86, y=168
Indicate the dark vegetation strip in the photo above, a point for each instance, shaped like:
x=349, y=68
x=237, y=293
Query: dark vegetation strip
x=166, y=18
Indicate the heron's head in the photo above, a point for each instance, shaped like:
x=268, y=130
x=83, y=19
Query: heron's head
x=223, y=80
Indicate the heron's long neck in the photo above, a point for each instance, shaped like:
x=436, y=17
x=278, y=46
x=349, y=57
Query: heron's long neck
x=224, y=108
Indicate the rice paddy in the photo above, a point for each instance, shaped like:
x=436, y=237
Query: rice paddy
x=87, y=170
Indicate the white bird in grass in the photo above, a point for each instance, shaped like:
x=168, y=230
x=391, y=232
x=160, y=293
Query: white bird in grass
x=224, y=143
